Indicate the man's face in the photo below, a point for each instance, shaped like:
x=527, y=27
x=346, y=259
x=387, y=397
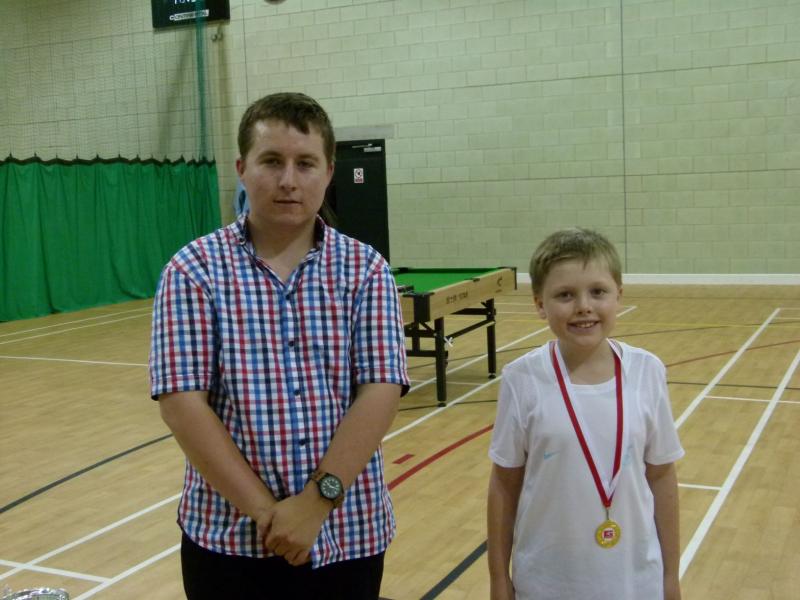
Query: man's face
x=285, y=174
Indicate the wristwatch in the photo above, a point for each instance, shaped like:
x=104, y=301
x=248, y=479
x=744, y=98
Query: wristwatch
x=330, y=487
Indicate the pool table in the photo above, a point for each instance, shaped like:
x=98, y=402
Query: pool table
x=429, y=295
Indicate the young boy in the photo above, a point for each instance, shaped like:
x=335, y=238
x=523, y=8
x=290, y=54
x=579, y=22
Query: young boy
x=583, y=498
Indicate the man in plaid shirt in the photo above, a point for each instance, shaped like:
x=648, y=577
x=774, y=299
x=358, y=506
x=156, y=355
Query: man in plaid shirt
x=278, y=359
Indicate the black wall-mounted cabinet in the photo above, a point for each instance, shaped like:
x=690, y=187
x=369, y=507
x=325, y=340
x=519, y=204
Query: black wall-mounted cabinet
x=358, y=193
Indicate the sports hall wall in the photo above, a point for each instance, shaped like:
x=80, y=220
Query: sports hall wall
x=673, y=126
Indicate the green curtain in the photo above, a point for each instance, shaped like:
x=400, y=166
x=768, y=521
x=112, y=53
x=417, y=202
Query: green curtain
x=85, y=233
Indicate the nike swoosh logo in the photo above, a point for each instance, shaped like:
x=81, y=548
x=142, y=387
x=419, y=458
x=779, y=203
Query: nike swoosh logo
x=550, y=454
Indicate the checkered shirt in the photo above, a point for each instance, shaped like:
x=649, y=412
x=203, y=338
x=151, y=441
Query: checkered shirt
x=281, y=362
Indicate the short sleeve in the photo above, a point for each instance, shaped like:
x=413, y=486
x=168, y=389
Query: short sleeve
x=663, y=445
x=509, y=443
x=378, y=338
x=183, y=341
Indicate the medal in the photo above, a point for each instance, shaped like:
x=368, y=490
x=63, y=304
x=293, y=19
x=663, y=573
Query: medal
x=608, y=533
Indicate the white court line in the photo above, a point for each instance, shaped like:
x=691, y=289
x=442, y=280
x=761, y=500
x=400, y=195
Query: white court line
x=33, y=337
x=499, y=304
x=719, y=499
x=73, y=360
x=501, y=348
x=21, y=331
x=751, y=399
x=456, y=382
x=49, y=571
x=711, y=384
x=88, y=537
x=129, y=572
x=737, y=398
x=169, y=551
x=477, y=389
x=697, y=486
x=425, y=417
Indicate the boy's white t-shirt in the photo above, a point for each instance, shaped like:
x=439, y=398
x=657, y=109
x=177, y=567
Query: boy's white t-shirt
x=555, y=555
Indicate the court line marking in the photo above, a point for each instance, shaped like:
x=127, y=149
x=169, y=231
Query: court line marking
x=716, y=505
x=392, y=484
x=51, y=571
x=737, y=398
x=455, y=573
x=21, y=331
x=33, y=337
x=436, y=456
x=169, y=551
x=500, y=349
x=722, y=372
x=90, y=536
x=481, y=549
x=763, y=400
x=73, y=360
x=440, y=409
x=477, y=389
x=497, y=303
x=129, y=572
x=80, y=472
x=449, y=381
x=697, y=486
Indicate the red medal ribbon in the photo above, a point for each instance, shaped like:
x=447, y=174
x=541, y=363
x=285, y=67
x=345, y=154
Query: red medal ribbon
x=586, y=452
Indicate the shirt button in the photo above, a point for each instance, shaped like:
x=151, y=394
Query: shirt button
x=297, y=392
x=302, y=442
x=291, y=343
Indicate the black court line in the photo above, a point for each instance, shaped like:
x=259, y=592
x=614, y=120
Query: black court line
x=50, y=486
x=455, y=573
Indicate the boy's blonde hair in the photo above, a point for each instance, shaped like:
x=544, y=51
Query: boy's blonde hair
x=571, y=244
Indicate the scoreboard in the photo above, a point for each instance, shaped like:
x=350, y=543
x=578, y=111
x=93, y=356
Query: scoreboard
x=171, y=13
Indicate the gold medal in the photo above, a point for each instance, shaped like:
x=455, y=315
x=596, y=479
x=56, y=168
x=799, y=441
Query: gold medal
x=608, y=534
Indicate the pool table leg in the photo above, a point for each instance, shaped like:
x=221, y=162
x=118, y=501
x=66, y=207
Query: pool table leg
x=490, y=339
x=441, y=361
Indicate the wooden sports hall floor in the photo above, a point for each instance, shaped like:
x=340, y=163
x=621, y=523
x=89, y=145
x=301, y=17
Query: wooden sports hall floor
x=89, y=476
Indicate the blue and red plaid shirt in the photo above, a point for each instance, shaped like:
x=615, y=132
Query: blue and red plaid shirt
x=281, y=362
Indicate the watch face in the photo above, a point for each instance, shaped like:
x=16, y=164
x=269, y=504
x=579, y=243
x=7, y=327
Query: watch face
x=330, y=487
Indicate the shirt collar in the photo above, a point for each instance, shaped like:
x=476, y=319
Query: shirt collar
x=242, y=232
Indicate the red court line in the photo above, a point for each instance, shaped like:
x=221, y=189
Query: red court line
x=434, y=457
x=403, y=459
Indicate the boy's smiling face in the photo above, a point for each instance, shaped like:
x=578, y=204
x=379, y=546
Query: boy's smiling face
x=580, y=303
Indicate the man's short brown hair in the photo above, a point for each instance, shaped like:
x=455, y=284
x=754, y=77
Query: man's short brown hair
x=292, y=108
